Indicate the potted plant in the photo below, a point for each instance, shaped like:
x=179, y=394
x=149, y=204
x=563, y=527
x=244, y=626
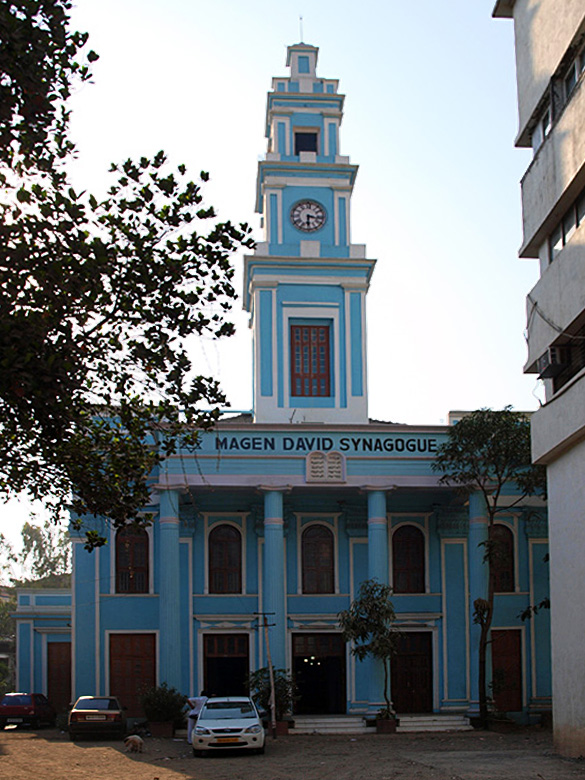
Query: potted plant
x=285, y=694
x=163, y=707
x=369, y=625
x=386, y=721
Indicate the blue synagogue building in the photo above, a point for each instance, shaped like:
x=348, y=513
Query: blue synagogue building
x=286, y=510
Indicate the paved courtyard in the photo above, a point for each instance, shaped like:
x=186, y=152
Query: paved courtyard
x=523, y=755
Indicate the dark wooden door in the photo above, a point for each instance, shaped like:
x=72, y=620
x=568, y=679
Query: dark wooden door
x=132, y=669
x=59, y=675
x=226, y=664
x=319, y=672
x=507, y=669
x=411, y=673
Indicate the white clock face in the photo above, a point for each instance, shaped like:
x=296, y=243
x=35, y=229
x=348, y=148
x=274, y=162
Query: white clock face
x=308, y=215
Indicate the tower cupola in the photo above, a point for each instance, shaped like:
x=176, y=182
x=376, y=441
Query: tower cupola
x=305, y=285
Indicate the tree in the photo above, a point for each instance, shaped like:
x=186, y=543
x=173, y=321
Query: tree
x=7, y=560
x=7, y=640
x=369, y=625
x=285, y=690
x=489, y=451
x=44, y=559
x=97, y=296
x=38, y=62
x=46, y=553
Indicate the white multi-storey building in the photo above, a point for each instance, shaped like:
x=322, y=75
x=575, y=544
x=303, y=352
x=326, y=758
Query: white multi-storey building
x=550, y=64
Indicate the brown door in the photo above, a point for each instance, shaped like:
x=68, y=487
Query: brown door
x=319, y=672
x=507, y=670
x=132, y=669
x=226, y=664
x=59, y=675
x=411, y=673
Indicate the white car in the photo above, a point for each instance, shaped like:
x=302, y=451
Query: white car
x=230, y=722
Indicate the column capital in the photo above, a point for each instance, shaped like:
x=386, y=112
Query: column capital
x=478, y=521
x=169, y=520
x=274, y=488
x=164, y=485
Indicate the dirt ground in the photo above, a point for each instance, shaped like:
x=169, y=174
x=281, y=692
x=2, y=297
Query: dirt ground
x=523, y=755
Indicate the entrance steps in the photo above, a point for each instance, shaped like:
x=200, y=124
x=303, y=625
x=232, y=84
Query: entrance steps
x=329, y=724
x=412, y=723
x=356, y=724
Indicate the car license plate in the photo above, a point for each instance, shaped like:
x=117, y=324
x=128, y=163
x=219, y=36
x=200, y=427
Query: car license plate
x=95, y=717
x=228, y=739
x=13, y=720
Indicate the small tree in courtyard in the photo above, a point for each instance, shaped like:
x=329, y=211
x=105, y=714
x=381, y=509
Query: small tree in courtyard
x=488, y=451
x=369, y=625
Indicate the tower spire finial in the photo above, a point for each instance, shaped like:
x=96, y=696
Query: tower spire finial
x=301, y=26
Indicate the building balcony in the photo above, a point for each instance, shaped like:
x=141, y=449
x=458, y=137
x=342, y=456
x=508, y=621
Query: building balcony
x=557, y=300
x=560, y=423
x=555, y=176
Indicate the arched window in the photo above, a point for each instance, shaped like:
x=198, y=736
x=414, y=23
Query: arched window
x=317, y=560
x=225, y=560
x=132, y=560
x=408, y=560
x=502, y=558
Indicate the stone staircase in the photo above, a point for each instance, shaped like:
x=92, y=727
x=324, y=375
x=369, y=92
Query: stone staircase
x=355, y=724
x=412, y=723
x=329, y=724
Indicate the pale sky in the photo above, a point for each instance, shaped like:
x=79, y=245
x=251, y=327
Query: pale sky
x=430, y=118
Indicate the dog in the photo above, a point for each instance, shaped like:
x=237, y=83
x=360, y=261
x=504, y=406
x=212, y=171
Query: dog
x=134, y=744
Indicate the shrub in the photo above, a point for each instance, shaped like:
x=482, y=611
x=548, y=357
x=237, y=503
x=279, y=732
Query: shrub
x=285, y=690
x=163, y=704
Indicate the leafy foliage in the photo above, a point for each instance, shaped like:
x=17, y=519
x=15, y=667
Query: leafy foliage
x=46, y=552
x=163, y=704
x=39, y=64
x=533, y=609
x=97, y=296
x=7, y=641
x=7, y=560
x=44, y=560
x=489, y=451
x=369, y=625
x=285, y=690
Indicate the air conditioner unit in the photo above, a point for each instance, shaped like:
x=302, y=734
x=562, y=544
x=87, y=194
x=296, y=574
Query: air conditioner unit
x=554, y=360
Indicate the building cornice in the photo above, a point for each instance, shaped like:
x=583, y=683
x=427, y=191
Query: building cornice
x=504, y=9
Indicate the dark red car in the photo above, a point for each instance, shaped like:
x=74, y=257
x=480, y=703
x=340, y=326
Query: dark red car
x=32, y=709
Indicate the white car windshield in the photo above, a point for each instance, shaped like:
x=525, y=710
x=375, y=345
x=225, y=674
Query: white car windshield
x=226, y=710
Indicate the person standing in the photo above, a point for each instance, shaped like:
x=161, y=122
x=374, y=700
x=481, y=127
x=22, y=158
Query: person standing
x=196, y=703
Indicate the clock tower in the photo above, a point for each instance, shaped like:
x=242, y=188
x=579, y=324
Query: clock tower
x=305, y=286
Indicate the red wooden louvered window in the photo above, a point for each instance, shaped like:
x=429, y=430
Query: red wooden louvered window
x=310, y=361
x=225, y=560
x=317, y=560
x=408, y=560
x=131, y=560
